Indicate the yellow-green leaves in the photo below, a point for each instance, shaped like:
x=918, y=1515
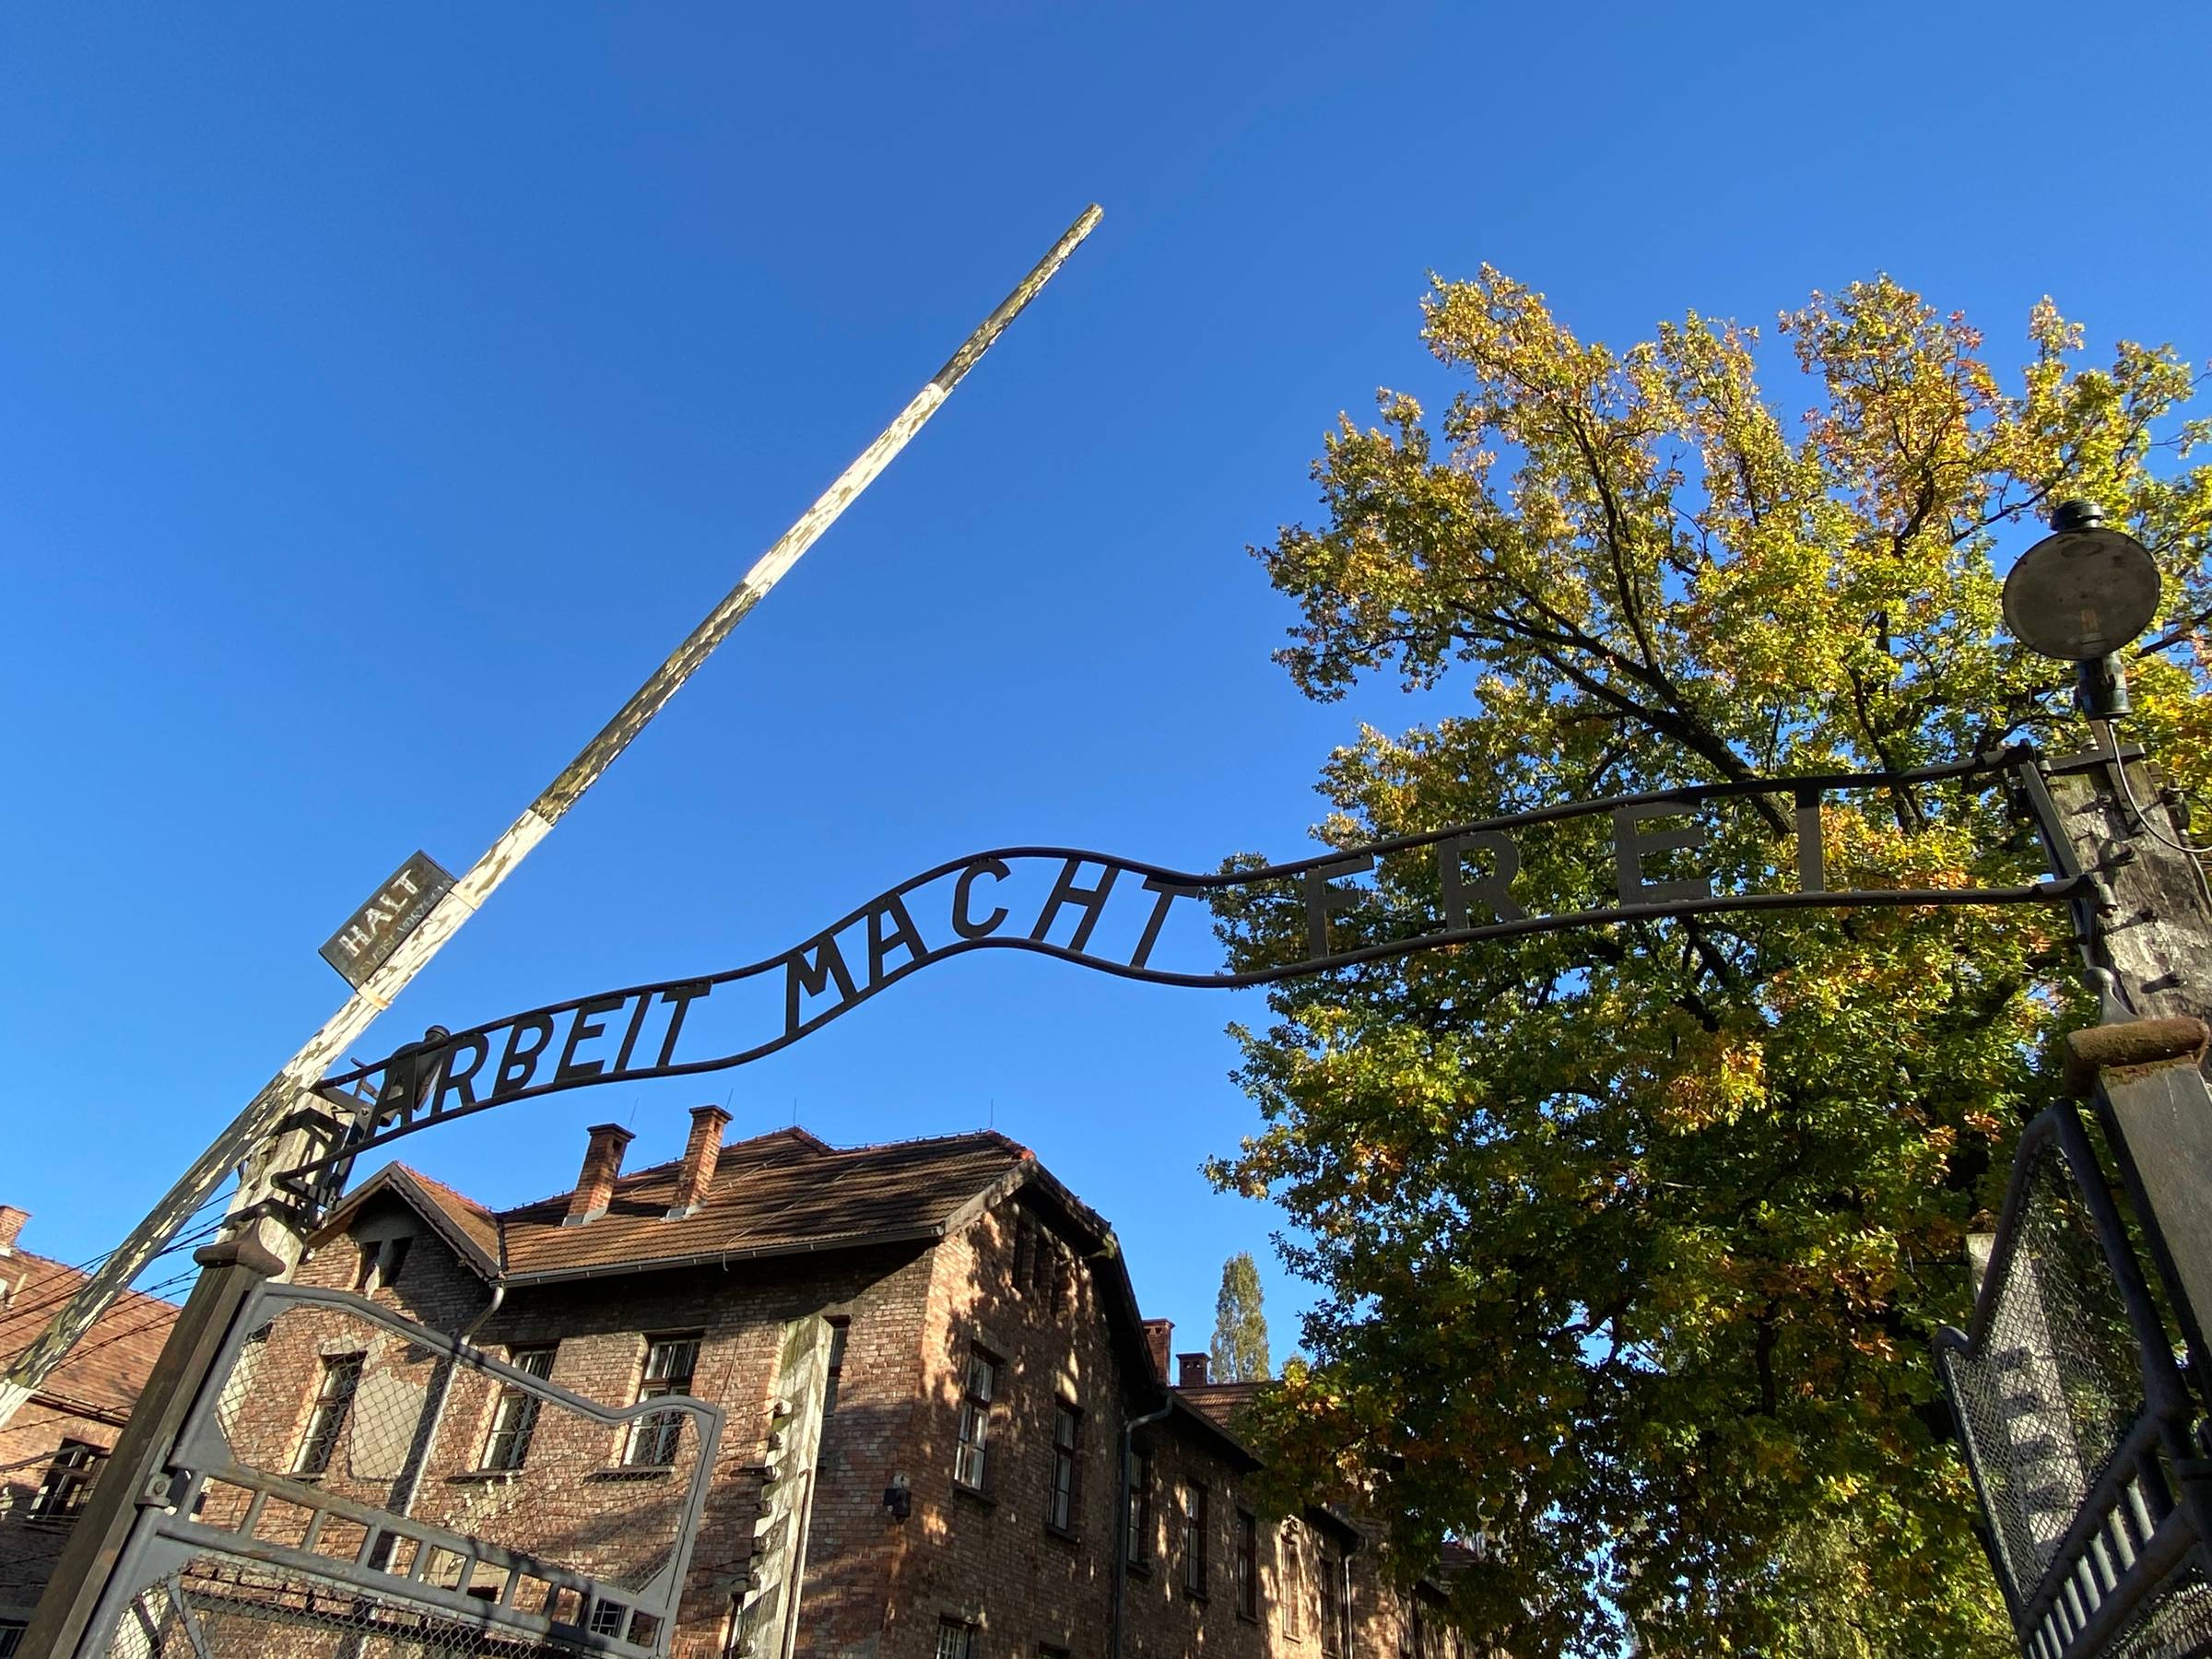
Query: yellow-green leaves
x=1632, y=1240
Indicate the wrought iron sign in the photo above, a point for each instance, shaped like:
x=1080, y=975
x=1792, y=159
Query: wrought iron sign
x=1124, y=917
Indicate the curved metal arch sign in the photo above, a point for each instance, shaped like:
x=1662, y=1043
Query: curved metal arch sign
x=1114, y=914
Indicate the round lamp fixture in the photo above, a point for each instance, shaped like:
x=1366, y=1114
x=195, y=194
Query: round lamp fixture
x=2082, y=591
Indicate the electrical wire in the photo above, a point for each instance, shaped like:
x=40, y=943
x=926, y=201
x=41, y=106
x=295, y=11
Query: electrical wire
x=55, y=1297
x=2194, y=854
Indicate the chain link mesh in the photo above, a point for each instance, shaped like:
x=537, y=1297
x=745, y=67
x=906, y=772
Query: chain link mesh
x=2057, y=1383
x=2176, y=1623
x=388, y=1466
x=218, y=1608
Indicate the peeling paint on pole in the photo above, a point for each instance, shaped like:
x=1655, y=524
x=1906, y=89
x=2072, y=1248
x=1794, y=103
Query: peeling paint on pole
x=283, y=1092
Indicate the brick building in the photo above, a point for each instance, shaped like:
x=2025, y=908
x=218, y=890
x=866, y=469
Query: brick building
x=1005, y=1469
x=54, y=1445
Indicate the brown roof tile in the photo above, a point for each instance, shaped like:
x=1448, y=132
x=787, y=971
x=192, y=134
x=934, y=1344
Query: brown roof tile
x=469, y=1219
x=107, y=1368
x=771, y=1195
x=1221, y=1401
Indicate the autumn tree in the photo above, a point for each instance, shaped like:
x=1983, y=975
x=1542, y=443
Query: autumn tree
x=1240, y=1347
x=1632, y=1240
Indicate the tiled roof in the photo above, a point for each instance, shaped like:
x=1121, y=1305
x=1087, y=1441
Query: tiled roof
x=469, y=1219
x=773, y=1194
x=107, y=1368
x=1221, y=1401
x=779, y=1193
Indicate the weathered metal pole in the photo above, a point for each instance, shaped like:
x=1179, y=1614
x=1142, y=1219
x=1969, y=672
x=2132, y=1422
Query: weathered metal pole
x=285, y=1091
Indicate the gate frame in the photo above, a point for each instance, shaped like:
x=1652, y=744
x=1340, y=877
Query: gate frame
x=164, y=1537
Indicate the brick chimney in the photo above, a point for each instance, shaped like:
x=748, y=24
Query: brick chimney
x=1159, y=1337
x=596, y=1181
x=11, y=1223
x=1190, y=1370
x=702, y=1153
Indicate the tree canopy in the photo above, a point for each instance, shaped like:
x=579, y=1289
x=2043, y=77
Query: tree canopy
x=1240, y=1347
x=1632, y=1240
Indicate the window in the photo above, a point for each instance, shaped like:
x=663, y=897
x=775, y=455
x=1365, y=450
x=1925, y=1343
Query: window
x=1194, y=1537
x=1140, y=1511
x=333, y=1399
x=608, y=1619
x=1060, y=1502
x=11, y=1636
x=68, y=1481
x=955, y=1638
x=975, y=1418
x=835, y=1367
x=516, y=1414
x=1045, y=1649
x=379, y=1264
x=1290, y=1573
x=1336, y=1604
x=1248, y=1565
x=669, y=1362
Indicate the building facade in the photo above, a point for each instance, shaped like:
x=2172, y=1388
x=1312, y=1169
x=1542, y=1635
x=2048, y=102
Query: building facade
x=1004, y=1468
x=53, y=1447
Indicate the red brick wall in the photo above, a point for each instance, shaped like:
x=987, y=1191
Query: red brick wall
x=875, y=1588
x=28, y=1549
x=987, y=1556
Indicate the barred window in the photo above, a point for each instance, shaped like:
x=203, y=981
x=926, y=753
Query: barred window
x=1140, y=1510
x=1336, y=1604
x=955, y=1638
x=1060, y=1502
x=515, y=1415
x=669, y=1362
x=833, y=1368
x=1194, y=1537
x=68, y=1481
x=1247, y=1564
x=975, y=1418
x=333, y=1400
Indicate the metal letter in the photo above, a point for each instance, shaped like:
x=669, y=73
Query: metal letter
x=461, y=1079
x=517, y=1063
x=679, y=998
x=1169, y=892
x=1631, y=847
x=1491, y=889
x=813, y=978
x=1089, y=901
x=569, y=1069
x=902, y=933
x=961, y=923
x=1321, y=898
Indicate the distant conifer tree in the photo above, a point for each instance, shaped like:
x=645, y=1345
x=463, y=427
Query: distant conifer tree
x=1239, y=1352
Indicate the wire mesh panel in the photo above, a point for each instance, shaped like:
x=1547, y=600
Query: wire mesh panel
x=2072, y=1411
x=212, y=1607
x=357, y=1480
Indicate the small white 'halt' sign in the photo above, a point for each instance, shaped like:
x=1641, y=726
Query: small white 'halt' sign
x=375, y=930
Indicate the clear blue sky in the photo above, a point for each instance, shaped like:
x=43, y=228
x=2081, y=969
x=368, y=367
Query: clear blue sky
x=383, y=390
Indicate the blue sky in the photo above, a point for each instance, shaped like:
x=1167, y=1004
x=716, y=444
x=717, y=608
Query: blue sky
x=384, y=392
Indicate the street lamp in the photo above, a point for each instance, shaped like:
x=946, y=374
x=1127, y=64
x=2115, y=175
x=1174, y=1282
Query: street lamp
x=2080, y=594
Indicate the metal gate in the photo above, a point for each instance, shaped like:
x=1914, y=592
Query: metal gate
x=349, y=1485
x=2084, y=1440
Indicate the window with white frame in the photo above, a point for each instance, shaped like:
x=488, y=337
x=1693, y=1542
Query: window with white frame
x=669, y=1362
x=333, y=1400
x=516, y=1417
x=982, y=1382
x=68, y=1481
